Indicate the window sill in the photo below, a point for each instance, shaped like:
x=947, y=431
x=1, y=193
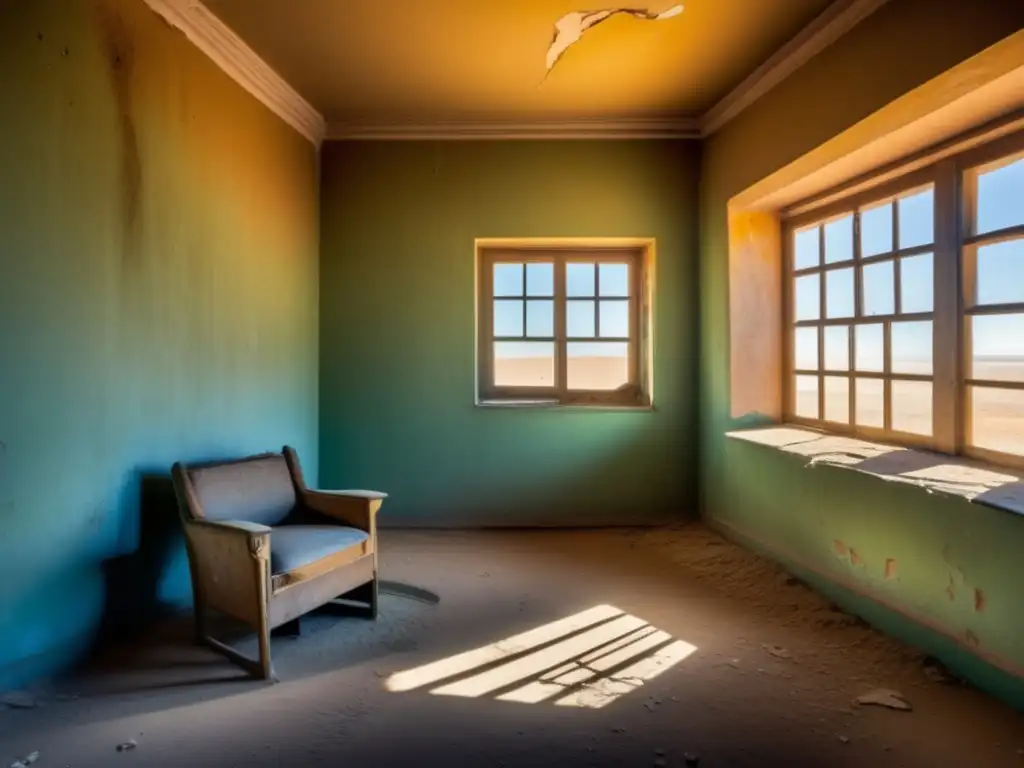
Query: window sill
x=955, y=476
x=554, y=405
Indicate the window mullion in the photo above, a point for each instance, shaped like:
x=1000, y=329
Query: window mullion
x=947, y=393
x=561, y=348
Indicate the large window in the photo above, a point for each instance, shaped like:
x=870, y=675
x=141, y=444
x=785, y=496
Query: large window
x=906, y=308
x=563, y=326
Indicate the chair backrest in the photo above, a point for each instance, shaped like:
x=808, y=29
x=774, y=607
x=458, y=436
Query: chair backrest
x=258, y=489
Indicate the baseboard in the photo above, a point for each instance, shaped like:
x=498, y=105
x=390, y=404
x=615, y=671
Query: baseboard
x=986, y=671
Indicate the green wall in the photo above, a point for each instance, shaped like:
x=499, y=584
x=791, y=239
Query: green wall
x=769, y=500
x=398, y=222
x=158, y=301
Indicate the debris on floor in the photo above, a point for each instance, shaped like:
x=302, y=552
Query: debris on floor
x=26, y=761
x=936, y=671
x=20, y=700
x=692, y=761
x=883, y=697
x=775, y=650
x=125, y=746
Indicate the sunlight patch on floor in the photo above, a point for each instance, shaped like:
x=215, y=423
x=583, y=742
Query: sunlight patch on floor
x=587, y=660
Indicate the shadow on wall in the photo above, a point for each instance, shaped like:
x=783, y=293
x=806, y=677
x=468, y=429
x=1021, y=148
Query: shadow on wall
x=136, y=584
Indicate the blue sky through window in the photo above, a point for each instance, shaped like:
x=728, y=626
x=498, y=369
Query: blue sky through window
x=1000, y=275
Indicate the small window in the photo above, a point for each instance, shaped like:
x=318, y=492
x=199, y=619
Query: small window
x=563, y=326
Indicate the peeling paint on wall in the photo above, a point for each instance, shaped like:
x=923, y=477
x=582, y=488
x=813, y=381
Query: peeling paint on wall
x=571, y=27
x=890, y=569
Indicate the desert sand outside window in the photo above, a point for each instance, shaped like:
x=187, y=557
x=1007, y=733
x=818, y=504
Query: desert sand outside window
x=905, y=308
x=561, y=326
x=993, y=301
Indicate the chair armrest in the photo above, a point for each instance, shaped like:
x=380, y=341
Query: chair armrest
x=232, y=564
x=355, y=508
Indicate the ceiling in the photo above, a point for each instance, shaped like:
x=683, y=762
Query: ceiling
x=422, y=62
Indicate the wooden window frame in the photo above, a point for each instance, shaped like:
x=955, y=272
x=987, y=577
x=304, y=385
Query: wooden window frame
x=636, y=393
x=954, y=248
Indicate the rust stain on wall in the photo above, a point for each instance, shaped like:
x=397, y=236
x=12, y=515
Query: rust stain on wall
x=979, y=600
x=972, y=639
x=855, y=558
x=840, y=549
x=119, y=53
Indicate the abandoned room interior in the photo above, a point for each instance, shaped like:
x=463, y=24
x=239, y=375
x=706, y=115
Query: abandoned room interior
x=676, y=351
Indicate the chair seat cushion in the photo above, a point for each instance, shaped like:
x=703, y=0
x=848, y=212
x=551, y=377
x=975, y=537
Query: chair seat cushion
x=293, y=546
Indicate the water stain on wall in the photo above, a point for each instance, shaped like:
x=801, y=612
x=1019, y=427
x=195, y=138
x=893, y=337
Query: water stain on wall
x=119, y=54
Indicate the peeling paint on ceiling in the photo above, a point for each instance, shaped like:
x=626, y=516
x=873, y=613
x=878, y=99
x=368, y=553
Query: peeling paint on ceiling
x=570, y=28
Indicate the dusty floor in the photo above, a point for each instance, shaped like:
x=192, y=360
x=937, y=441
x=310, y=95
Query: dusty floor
x=765, y=674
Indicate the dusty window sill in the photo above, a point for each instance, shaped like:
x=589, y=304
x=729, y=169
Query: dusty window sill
x=975, y=481
x=557, y=406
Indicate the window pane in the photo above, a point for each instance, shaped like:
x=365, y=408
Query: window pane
x=1001, y=198
x=912, y=407
x=806, y=392
x=805, y=349
x=837, y=399
x=540, y=279
x=615, y=319
x=579, y=279
x=997, y=346
x=614, y=279
x=806, y=248
x=1001, y=272
x=508, y=318
x=579, y=319
x=524, y=364
x=839, y=240
x=837, y=348
x=540, y=318
x=917, y=284
x=869, y=348
x=871, y=403
x=917, y=219
x=876, y=230
x=912, y=347
x=997, y=419
x=807, y=297
x=878, y=287
x=597, y=365
x=508, y=279
x=839, y=293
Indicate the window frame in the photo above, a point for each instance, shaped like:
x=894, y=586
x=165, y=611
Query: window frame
x=954, y=248
x=636, y=393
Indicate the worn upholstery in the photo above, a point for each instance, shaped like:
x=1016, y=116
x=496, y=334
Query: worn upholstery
x=293, y=546
x=259, y=490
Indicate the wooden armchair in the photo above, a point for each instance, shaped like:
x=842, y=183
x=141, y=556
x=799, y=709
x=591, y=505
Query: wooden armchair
x=264, y=549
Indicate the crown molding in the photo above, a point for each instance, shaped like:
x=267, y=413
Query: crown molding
x=838, y=19
x=676, y=128
x=228, y=51
x=214, y=38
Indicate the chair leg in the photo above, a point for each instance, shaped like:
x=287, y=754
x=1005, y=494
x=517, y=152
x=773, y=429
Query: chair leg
x=361, y=601
x=266, y=666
